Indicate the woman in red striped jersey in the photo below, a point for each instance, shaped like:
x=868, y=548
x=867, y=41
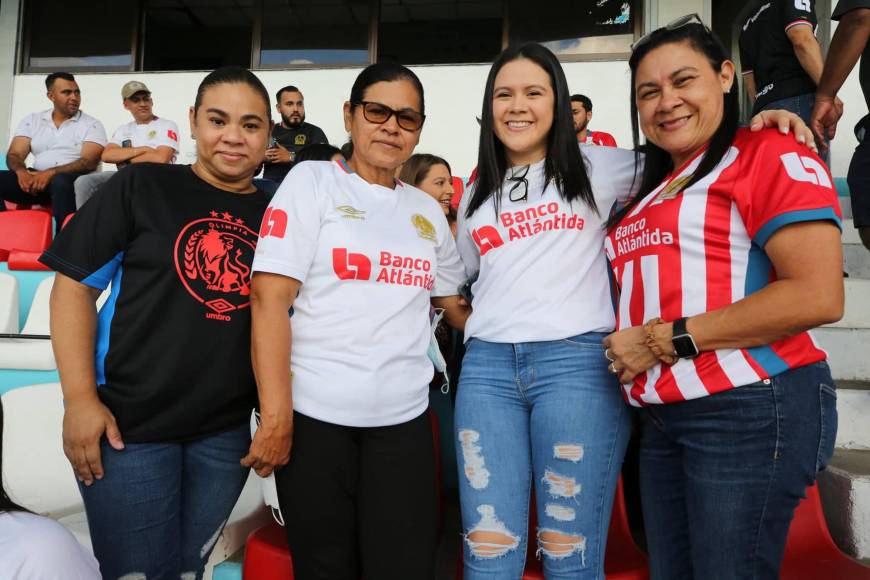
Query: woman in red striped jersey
x=724, y=259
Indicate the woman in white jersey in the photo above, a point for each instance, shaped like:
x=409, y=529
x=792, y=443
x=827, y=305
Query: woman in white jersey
x=536, y=402
x=729, y=252
x=359, y=256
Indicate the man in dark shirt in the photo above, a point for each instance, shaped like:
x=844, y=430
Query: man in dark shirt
x=289, y=136
x=780, y=56
x=849, y=42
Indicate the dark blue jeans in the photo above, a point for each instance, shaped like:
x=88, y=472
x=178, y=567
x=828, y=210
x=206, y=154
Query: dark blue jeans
x=721, y=475
x=800, y=105
x=59, y=193
x=160, y=507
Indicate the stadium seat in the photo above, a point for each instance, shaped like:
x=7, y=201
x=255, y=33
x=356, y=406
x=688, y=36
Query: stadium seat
x=623, y=560
x=27, y=354
x=458, y=189
x=25, y=260
x=24, y=230
x=8, y=303
x=810, y=553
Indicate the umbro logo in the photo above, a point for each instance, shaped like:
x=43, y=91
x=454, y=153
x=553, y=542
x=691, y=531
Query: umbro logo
x=350, y=212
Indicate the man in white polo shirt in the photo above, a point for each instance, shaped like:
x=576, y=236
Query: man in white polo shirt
x=65, y=143
x=146, y=139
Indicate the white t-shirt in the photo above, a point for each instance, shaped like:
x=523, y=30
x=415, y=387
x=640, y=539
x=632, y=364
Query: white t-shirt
x=52, y=146
x=369, y=259
x=33, y=547
x=543, y=273
x=158, y=133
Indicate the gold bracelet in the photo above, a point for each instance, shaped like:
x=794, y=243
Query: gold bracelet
x=653, y=345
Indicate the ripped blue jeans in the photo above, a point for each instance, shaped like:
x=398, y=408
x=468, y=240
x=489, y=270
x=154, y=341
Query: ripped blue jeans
x=543, y=412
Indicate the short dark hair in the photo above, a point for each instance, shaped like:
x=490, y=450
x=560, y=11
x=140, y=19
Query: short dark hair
x=384, y=72
x=49, y=80
x=287, y=89
x=586, y=101
x=316, y=152
x=232, y=75
x=563, y=164
x=657, y=163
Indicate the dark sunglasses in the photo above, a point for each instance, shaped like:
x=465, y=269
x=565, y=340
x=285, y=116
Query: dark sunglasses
x=408, y=119
x=672, y=25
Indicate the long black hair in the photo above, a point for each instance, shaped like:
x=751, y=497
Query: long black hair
x=6, y=504
x=563, y=164
x=658, y=163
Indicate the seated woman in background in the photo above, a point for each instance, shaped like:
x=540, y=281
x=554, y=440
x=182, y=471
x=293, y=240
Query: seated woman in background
x=726, y=256
x=33, y=547
x=432, y=174
x=156, y=423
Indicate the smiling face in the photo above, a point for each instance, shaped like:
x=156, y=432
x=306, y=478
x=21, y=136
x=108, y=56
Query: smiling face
x=439, y=184
x=231, y=129
x=379, y=148
x=140, y=106
x=522, y=110
x=65, y=96
x=680, y=98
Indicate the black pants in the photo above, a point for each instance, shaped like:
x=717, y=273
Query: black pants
x=59, y=193
x=360, y=502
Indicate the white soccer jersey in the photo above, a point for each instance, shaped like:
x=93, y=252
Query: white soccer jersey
x=682, y=252
x=369, y=259
x=543, y=274
x=158, y=133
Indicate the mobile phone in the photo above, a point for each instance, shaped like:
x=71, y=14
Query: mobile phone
x=273, y=143
x=126, y=143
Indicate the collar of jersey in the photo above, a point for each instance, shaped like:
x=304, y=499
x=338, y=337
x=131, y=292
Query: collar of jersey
x=678, y=171
x=346, y=168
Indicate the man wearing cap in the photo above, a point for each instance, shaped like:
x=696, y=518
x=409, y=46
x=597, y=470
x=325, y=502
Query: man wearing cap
x=146, y=139
x=64, y=142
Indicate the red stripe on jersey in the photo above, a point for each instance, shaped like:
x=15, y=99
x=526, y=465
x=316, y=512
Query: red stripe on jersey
x=717, y=249
x=636, y=306
x=801, y=22
x=666, y=387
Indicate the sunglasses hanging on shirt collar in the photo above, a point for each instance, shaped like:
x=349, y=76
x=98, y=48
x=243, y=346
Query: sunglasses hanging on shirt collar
x=519, y=179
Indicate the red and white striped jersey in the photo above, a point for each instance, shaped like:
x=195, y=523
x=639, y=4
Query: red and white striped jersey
x=682, y=252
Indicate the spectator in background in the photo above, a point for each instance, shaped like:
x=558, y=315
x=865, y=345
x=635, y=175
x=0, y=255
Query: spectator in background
x=65, y=142
x=780, y=56
x=289, y=136
x=848, y=44
x=319, y=152
x=432, y=174
x=33, y=547
x=581, y=108
x=146, y=139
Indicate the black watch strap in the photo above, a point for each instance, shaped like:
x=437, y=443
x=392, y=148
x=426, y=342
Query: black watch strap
x=680, y=327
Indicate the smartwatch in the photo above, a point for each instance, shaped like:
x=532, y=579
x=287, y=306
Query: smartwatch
x=684, y=344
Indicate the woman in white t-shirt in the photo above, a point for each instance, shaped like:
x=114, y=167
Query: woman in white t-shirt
x=536, y=401
x=34, y=547
x=359, y=256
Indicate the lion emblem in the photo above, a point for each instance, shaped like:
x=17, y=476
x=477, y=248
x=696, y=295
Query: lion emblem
x=218, y=263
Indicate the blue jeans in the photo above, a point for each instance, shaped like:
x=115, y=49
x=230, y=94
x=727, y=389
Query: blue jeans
x=548, y=412
x=721, y=475
x=800, y=105
x=160, y=507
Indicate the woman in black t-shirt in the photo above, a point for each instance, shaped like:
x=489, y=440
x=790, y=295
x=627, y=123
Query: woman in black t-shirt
x=159, y=385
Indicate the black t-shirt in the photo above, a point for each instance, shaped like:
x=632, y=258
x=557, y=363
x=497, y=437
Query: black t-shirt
x=844, y=6
x=173, y=340
x=767, y=52
x=292, y=139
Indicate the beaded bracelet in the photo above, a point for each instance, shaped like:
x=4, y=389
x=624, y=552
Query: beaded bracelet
x=652, y=343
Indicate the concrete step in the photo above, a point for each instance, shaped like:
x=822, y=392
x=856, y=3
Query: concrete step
x=846, y=207
x=850, y=234
x=853, y=410
x=845, y=490
x=848, y=351
x=857, y=312
x=856, y=258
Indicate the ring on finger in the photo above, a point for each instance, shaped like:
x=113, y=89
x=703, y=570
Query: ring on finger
x=613, y=369
x=608, y=356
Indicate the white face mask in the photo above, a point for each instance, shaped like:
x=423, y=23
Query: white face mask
x=434, y=351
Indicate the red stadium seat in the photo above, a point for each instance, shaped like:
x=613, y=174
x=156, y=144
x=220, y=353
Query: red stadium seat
x=25, y=229
x=266, y=554
x=25, y=260
x=810, y=553
x=623, y=560
x=66, y=220
x=458, y=190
